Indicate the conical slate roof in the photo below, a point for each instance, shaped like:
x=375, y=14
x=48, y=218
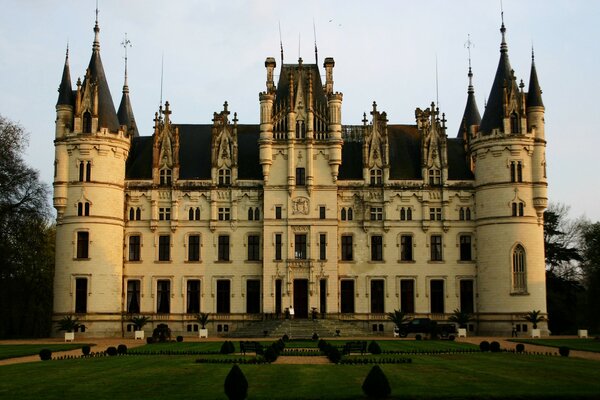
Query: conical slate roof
x=534, y=95
x=125, y=113
x=471, y=115
x=65, y=91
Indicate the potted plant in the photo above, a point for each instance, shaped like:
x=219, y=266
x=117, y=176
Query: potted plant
x=461, y=318
x=398, y=318
x=69, y=324
x=139, y=322
x=534, y=317
x=203, y=319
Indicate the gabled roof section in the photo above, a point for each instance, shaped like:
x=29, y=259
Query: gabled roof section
x=107, y=117
x=65, y=90
x=534, y=95
x=471, y=115
x=299, y=72
x=493, y=114
x=405, y=152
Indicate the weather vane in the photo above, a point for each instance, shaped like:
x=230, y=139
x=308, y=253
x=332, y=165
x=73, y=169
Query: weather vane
x=126, y=43
x=468, y=45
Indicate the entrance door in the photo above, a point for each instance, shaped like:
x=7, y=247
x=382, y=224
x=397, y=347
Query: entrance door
x=347, y=296
x=301, y=298
x=377, y=296
x=278, y=296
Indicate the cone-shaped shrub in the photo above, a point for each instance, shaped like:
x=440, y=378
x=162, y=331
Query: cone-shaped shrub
x=271, y=354
x=236, y=385
x=227, y=347
x=376, y=385
x=45, y=354
x=374, y=348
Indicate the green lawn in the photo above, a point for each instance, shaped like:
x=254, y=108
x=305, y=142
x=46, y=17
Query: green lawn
x=21, y=350
x=477, y=375
x=573, y=344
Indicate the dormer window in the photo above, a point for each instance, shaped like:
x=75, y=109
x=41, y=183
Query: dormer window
x=224, y=176
x=514, y=123
x=435, y=176
x=87, y=122
x=300, y=130
x=165, y=177
x=376, y=176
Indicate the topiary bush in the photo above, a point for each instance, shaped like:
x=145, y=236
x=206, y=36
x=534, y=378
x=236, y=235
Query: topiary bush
x=45, y=354
x=376, y=384
x=122, y=349
x=85, y=350
x=179, y=339
x=333, y=354
x=271, y=354
x=564, y=351
x=494, y=347
x=236, y=384
x=520, y=348
x=374, y=348
x=484, y=346
x=227, y=347
x=322, y=344
x=285, y=337
x=111, y=351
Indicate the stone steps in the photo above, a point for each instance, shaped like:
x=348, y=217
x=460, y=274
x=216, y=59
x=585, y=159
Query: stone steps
x=301, y=329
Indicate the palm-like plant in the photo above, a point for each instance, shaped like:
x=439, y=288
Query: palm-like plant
x=68, y=323
x=203, y=319
x=461, y=318
x=139, y=321
x=398, y=317
x=534, y=317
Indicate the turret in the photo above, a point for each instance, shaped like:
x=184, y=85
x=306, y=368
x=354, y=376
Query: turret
x=471, y=118
x=266, y=120
x=65, y=103
x=535, y=105
x=125, y=113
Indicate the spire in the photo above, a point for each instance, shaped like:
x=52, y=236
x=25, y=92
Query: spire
x=471, y=115
x=534, y=95
x=493, y=114
x=65, y=92
x=107, y=117
x=125, y=113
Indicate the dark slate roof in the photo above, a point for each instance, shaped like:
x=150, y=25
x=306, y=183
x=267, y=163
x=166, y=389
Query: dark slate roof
x=125, y=113
x=458, y=169
x=493, y=114
x=352, y=162
x=534, y=95
x=405, y=152
x=65, y=91
x=139, y=162
x=471, y=115
x=195, y=153
x=282, y=93
x=107, y=117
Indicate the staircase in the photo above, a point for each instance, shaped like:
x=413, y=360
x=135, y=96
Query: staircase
x=301, y=329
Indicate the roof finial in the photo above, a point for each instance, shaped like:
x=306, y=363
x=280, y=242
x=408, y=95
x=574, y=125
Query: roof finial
x=532, y=55
x=96, y=45
x=503, y=46
x=468, y=45
x=316, y=52
x=280, y=43
x=126, y=43
x=437, y=97
x=298, y=45
x=162, y=65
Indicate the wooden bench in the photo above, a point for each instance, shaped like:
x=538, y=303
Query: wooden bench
x=251, y=347
x=357, y=346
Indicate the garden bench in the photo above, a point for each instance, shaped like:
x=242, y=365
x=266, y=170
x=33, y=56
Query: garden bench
x=358, y=346
x=251, y=347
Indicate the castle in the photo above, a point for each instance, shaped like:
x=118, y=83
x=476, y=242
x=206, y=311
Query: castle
x=246, y=221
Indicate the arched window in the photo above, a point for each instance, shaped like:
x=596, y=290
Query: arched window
x=300, y=130
x=197, y=214
x=461, y=214
x=468, y=214
x=138, y=214
x=81, y=171
x=191, y=214
x=86, y=209
x=250, y=214
x=343, y=214
x=88, y=171
x=131, y=214
x=165, y=177
x=519, y=270
x=514, y=123
x=256, y=214
x=79, y=209
x=87, y=122
x=350, y=216
x=409, y=214
x=402, y=214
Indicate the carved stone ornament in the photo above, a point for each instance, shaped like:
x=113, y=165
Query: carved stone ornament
x=300, y=205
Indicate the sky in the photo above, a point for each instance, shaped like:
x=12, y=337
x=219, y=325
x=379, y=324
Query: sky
x=384, y=51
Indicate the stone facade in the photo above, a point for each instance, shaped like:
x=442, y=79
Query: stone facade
x=245, y=221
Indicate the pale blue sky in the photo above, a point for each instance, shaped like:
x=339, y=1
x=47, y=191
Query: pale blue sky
x=384, y=51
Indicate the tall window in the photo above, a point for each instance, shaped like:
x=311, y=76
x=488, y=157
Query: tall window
x=518, y=209
x=278, y=212
x=376, y=176
x=278, y=246
x=85, y=171
x=300, y=177
x=134, y=248
x=300, y=246
x=465, y=248
x=163, y=296
x=138, y=214
x=165, y=177
x=253, y=248
x=436, y=248
x=378, y=296
x=224, y=213
x=519, y=270
x=406, y=248
x=194, y=214
x=253, y=296
x=343, y=214
x=257, y=214
x=435, y=213
x=164, y=248
x=250, y=214
x=407, y=296
x=516, y=171
x=350, y=214
x=466, y=296
x=406, y=214
x=133, y=296
x=322, y=246
x=87, y=122
x=435, y=176
x=83, y=241
x=436, y=293
x=223, y=251
x=193, y=296
x=81, y=295
x=223, y=296
x=346, y=247
x=194, y=248
x=224, y=176
x=376, y=248
x=376, y=213
x=164, y=213
x=322, y=212
x=83, y=209
x=514, y=123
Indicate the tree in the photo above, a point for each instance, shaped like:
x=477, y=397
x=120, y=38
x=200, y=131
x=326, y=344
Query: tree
x=591, y=272
x=461, y=318
x=26, y=241
x=398, y=317
x=534, y=317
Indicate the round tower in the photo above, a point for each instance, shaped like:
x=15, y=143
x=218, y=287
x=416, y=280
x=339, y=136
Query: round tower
x=91, y=150
x=509, y=207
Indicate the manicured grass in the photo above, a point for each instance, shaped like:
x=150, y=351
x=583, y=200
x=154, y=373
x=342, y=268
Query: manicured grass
x=477, y=375
x=573, y=344
x=22, y=350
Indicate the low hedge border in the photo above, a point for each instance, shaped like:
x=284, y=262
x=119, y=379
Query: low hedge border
x=254, y=360
x=362, y=361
